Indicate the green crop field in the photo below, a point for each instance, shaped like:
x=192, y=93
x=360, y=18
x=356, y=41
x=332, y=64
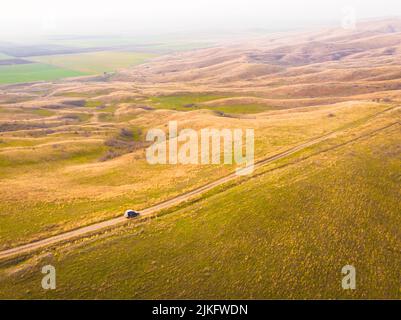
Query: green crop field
x=34, y=72
x=95, y=62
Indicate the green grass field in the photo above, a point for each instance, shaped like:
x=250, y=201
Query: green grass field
x=189, y=102
x=95, y=62
x=34, y=72
x=283, y=234
x=185, y=102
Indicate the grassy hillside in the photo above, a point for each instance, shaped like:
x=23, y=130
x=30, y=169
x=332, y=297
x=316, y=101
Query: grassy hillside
x=80, y=172
x=283, y=234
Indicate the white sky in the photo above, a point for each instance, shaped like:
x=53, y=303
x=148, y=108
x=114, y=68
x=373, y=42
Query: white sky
x=41, y=17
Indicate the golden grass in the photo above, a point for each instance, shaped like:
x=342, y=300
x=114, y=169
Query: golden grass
x=63, y=168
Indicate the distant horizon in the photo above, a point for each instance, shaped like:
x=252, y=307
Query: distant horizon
x=198, y=35
x=23, y=19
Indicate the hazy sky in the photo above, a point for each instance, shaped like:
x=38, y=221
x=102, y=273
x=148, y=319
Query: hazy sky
x=41, y=17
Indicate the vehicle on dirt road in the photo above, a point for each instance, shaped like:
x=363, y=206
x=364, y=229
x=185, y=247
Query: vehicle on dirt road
x=131, y=214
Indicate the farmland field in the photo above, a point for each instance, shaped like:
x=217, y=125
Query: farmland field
x=95, y=62
x=34, y=72
x=157, y=44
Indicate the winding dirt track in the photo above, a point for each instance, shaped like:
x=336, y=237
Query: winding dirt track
x=23, y=249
